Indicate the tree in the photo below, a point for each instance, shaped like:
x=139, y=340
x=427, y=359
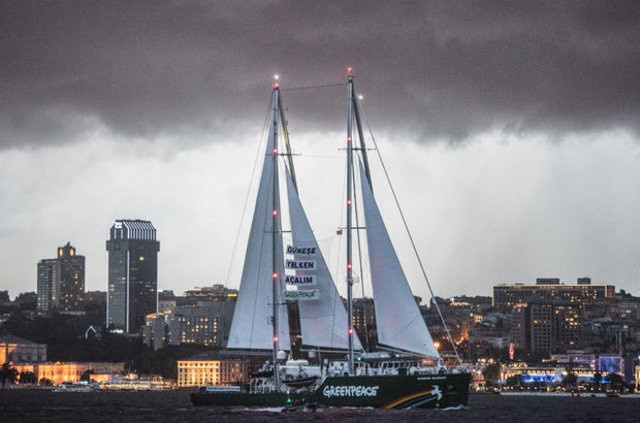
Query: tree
x=7, y=373
x=597, y=378
x=515, y=380
x=570, y=379
x=616, y=381
x=27, y=377
x=491, y=373
x=86, y=376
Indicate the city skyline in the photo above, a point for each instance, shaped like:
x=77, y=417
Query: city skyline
x=510, y=132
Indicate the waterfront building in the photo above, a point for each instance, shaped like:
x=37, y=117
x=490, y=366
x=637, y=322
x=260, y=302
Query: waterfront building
x=18, y=350
x=546, y=374
x=132, y=275
x=57, y=373
x=210, y=369
x=506, y=296
x=61, y=283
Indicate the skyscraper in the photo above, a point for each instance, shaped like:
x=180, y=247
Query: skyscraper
x=133, y=274
x=61, y=282
x=48, y=285
x=71, y=292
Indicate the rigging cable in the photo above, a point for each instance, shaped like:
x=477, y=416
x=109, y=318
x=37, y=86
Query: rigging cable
x=246, y=199
x=413, y=245
x=311, y=87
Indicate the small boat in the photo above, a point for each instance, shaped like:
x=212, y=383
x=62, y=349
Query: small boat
x=77, y=387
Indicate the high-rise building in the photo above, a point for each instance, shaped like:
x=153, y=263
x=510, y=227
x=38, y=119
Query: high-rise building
x=61, y=282
x=546, y=326
x=71, y=291
x=133, y=274
x=48, y=285
x=154, y=333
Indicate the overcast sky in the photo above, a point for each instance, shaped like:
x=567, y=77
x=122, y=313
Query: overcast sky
x=510, y=130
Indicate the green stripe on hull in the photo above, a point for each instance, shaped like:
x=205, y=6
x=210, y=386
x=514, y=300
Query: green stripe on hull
x=419, y=391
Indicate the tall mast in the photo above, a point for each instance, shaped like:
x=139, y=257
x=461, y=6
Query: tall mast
x=363, y=147
x=285, y=136
x=274, y=235
x=349, y=213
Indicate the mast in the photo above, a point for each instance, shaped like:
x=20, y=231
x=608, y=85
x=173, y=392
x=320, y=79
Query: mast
x=285, y=136
x=363, y=147
x=274, y=234
x=349, y=222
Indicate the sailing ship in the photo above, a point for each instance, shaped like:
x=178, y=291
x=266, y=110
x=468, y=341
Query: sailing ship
x=410, y=377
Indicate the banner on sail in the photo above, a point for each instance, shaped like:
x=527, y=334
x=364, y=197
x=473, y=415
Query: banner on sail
x=300, y=264
x=301, y=295
x=301, y=251
x=300, y=279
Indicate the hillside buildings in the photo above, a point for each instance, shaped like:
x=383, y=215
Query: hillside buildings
x=202, y=316
x=133, y=274
x=506, y=296
x=208, y=323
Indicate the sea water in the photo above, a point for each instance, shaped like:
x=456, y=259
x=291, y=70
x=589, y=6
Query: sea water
x=21, y=405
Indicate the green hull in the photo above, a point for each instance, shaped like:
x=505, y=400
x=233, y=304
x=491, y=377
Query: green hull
x=419, y=391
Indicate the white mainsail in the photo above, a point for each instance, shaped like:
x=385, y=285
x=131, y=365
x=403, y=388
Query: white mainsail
x=252, y=327
x=399, y=322
x=323, y=321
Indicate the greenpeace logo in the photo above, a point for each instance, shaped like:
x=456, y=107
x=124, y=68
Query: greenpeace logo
x=350, y=391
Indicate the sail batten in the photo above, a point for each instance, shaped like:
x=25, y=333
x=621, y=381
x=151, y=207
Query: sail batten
x=323, y=321
x=252, y=324
x=399, y=322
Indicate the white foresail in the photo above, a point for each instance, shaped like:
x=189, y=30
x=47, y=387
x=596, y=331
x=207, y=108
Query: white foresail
x=251, y=327
x=323, y=320
x=399, y=322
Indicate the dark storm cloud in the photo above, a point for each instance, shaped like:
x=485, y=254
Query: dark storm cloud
x=440, y=69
